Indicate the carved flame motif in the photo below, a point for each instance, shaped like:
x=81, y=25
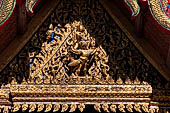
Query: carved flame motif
x=71, y=53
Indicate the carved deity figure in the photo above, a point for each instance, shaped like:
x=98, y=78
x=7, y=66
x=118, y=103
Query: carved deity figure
x=84, y=53
x=84, y=57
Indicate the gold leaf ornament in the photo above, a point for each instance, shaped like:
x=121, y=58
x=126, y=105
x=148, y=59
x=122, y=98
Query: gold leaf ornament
x=136, y=81
x=32, y=107
x=145, y=108
x=40, y=107
x=97, y=107
x=129, y=107
x=128, y=81
x=6, y=109
x=24, y=107
x=137, y=107
x=16, y=107
x=152, y=110
x=48, y=107
x=121, y=107
x=64, y=107
x=105, y=107
x=56, y=107
x=119, y=80
x=113, y=108
x=81, y=107
x=73, y=107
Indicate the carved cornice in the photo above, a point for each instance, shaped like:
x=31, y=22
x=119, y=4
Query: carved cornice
x=121, y=97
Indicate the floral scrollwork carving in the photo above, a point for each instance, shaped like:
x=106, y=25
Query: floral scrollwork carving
x=136, y=81
x=32, y=107
x=113, y=108
x=64, y=107
x=145, y=108
x=16, y=107
x=40, y=107
x=76, y=55
x=97, y=107
x=129, y=107
x=105, y=107
x=81, y=107
x=6, y=109
x=137, y=108
x=152, y=110
x=48, y=107
x=24, y=107
x=128, y=81
x=121, y=107
x=56, y=107
x=119, y=81
x=73, y=107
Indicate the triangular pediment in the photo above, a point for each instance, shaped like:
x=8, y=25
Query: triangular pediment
x=80, y=56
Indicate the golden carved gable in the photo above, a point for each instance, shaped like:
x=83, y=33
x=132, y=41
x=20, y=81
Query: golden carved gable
x=70, y=57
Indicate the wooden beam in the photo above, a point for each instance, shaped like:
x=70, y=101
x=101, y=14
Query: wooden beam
x=168, y=58
x=139, y=24
x=21, y=18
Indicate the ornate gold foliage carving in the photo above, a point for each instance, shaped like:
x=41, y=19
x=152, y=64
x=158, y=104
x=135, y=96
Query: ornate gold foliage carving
x=129, y=107
x=128, y=81
x=145, y=108
x=81, y=107
x=24, y=107
x=123, y=56
x=105, y=107
x=64, y=107
x=77, y=58
x=40, y=107
x=97, y=107
x=113, y=108
x=152, y=110
x=137, y=107
x=48, y=107
x=136, y=81
x=16, y=107
x=6, y=109
x=121, y=107
x=119, y=81
x=32, y=107
x=56, y=107
x=73, y=107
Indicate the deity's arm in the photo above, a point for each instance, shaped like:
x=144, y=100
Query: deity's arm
x=94, y=51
